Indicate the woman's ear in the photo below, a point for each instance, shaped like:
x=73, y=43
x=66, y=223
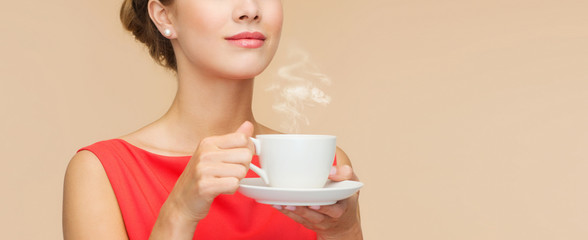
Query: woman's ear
x=161, y=17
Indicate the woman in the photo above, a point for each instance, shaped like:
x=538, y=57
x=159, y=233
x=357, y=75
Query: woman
x=177, y=177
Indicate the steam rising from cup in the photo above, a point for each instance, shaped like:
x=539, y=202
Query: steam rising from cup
x=298, y=87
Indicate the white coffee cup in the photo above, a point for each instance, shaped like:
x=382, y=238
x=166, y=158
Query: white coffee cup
x=294, y=160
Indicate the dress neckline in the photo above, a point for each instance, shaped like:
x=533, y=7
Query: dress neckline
x=148, y=152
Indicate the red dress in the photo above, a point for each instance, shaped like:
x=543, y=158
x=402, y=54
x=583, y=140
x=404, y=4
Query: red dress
x=142, y=182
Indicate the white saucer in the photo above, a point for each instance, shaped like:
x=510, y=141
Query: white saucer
x=332, y=192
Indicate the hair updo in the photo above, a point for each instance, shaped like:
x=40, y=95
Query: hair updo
x=135, y=18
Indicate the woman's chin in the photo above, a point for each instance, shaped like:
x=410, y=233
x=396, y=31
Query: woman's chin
x=241, y=76
x=244, y=73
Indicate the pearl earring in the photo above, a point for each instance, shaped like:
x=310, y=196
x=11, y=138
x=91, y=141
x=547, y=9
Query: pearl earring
x=167, y=32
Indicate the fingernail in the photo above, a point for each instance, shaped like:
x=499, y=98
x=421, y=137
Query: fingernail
x=333, y=170
x=277, y=207
x=314, y=207
x=291, y=208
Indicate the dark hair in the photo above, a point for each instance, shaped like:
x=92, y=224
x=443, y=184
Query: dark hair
x=135, y=18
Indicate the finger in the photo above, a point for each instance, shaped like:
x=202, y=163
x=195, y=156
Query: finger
x=341, y=173
x=310, y=215
x=290, y=213
x=212, y=187
x=228, y=185
x=239, y=138
x=233, y=155
x=221, y=170
x=335, y=211
x=246, y=128
x=231, y=140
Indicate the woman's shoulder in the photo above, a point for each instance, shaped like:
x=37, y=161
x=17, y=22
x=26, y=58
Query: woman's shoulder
x=89, y=199
x=102, y=144
x=101, y=149
x=86, y=159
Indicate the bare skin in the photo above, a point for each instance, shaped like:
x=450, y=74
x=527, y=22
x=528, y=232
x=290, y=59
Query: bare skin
x=210, y=120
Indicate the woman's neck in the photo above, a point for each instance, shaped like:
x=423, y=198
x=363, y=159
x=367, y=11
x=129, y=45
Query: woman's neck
x=202, y=107
x=211, y=107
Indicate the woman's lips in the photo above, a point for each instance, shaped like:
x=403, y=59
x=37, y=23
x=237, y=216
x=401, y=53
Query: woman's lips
x=247, y=39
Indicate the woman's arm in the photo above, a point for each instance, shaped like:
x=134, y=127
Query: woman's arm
x=216, y=167
x=90, y=208
x=91, y=211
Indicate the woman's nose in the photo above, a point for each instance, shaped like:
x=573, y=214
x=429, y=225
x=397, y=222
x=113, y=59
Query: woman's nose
x=247, y=11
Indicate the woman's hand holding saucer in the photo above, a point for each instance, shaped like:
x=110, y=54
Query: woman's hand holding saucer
x=337, y=221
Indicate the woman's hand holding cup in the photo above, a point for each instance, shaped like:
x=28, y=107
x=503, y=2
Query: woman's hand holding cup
x=217, y=167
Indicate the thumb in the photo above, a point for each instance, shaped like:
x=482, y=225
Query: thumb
x=341, y=173
x=246, y=128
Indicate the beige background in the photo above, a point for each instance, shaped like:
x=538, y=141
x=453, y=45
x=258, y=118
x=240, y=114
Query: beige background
x=465, y=119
